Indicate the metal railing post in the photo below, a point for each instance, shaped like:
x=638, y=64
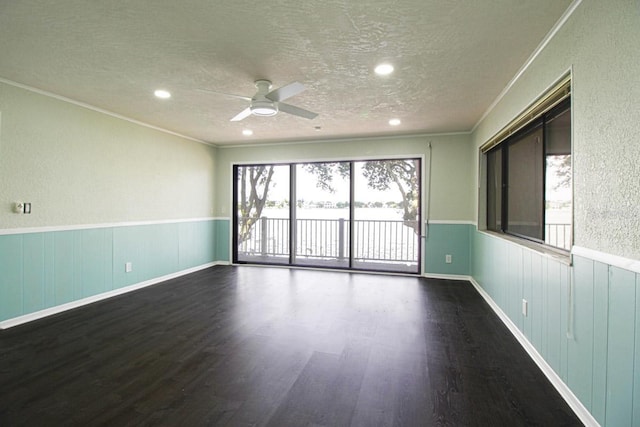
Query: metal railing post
x=341, y=238
x=263, y=236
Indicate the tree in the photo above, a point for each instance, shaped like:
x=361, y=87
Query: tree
x=254, y=188
x=561, y=167
x=381, y=175
x=401, y=175
x=254, y=183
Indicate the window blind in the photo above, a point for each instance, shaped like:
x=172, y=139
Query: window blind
x=557, y=94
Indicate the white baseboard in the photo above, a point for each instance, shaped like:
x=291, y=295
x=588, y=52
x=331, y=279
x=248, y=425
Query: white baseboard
x=564, y=390
x=446, y=276
x=9, y=323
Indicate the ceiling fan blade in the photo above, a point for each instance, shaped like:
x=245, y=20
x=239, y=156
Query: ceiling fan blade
x=296, y=111
x=242, y=115
x=246, y=98
x=285, y=92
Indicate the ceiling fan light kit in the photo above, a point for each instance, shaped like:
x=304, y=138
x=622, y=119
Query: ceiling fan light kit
x=263, y=108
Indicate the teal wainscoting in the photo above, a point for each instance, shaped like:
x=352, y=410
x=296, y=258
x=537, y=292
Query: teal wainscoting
x=585, y=326
x=223, y=242
x=448, y=239
x=41, y=270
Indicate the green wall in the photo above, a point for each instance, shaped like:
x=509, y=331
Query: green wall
x=448, y=239
x=89, y=176
x=451, y=169
x=41, y=270
x=78, y=166
x=446, y=186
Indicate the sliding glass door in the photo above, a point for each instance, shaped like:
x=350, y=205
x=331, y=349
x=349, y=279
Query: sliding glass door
x=362, y=215
x=262, y=214
x=322, y=214
x=387, y=215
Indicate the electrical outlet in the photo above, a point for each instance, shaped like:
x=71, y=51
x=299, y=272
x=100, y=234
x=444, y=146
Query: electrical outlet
x=447, y=259
x=525, y=308
x=128, y=267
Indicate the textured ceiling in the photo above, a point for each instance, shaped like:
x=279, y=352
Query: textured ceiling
x=451, y=58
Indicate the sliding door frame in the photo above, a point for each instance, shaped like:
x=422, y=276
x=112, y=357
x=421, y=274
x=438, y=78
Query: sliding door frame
x=423, y=201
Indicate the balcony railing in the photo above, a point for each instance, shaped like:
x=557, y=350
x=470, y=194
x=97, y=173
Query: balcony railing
x=558, y=235
x=374, y=240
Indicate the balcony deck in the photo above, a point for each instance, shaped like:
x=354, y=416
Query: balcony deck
x=369, y=265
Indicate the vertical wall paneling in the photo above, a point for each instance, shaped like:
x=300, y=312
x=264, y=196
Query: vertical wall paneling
x=580, y=342
x=544, y=311
x=565, y=276
x=126, y=248
x=196, y=244
x=11, y=278
x=515, y=286
x=556, y=334
x=159, y=249
x=621, y=345
x=447, y=239
x=49, y=272
x=78, y=260
x=527, y=286
x=95, y=271
x=499, y=289
x=535, y=305
x=187, y=250
x=108, y=259
x=33, y=263
x=636, y=365
x=600, y=339
x=222, y=236
x=482, y=262
x=63, y=266
x=41, y=270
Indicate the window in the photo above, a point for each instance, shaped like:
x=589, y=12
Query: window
x=528, y=176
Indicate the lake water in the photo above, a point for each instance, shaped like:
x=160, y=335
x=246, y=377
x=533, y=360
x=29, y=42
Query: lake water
x=554, y=216
x=329, y=213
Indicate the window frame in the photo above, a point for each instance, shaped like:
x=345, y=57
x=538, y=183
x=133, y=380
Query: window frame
x=552, y=104
x=505, y=187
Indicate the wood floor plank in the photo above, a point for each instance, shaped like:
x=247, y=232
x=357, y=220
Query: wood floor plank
x=248, y=346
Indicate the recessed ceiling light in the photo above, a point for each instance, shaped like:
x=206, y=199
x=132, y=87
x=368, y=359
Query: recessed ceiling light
x=247, y=132
x=384, y=69
x=394, y=122
x=161, y=93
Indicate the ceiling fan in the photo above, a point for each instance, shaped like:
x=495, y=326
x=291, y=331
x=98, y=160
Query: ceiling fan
x=265, y=103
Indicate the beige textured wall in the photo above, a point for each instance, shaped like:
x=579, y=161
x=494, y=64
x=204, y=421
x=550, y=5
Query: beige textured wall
x=79, y=166
x=451, y=181
x=601, y=44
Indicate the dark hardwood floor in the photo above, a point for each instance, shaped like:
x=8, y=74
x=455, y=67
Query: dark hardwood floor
x=241, y=346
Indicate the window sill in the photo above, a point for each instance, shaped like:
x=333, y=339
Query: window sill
x=545, y=250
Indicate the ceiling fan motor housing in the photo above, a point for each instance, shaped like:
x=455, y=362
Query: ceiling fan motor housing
x=260, y=104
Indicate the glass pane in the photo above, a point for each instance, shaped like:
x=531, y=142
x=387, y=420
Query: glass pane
x=525, y=194
x=558, y=197
x=322, y=214
x=494, y=190
x=387, y=215
x=263, y=213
